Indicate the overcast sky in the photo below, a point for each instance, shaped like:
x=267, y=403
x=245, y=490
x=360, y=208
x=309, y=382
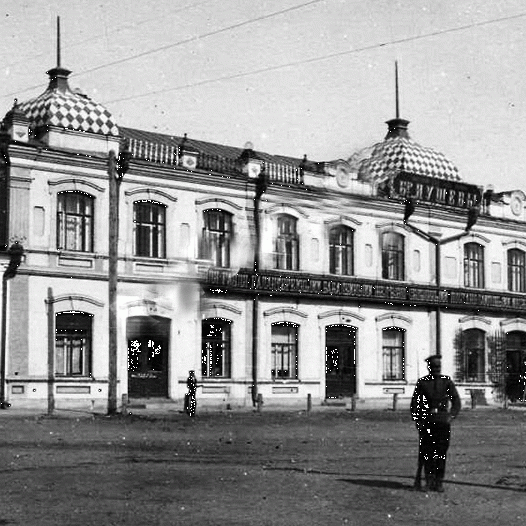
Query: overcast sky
x=294, y=77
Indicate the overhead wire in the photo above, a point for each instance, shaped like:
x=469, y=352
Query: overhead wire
x=180, y=43
x=318, y=59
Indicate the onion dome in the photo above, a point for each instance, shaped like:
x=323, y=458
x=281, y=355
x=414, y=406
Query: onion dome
x=399, y=153
x=61, y=107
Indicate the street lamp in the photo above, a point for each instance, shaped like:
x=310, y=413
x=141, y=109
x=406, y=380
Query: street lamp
x=409, y=208
x=117, y=168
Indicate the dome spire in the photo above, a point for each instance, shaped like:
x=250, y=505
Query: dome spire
x=397, y=126
x=58, y=77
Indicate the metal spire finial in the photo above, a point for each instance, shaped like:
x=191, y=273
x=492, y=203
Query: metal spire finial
x=58, y=42
x=396, y=90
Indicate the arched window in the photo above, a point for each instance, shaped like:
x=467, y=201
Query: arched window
x=216, y=238
x=75, y=221
x=341, y=249
x=393, y=256
x=516, y=270
x=73, y=344
x=149, y=229
x=393, y=344
x=473, y=265
x=471, y=361
x=284, y=350
x=215, y=351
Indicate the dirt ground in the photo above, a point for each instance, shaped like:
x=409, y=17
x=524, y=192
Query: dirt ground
x=295, y=468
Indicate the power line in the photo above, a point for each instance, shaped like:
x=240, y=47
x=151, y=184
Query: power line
x=180, y=43
x=118, y=29
x=319, y=59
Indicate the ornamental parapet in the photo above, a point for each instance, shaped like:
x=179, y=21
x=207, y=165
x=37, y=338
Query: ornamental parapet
x=246, y=281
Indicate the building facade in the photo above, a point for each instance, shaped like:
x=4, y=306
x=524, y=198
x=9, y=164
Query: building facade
x=269, y=276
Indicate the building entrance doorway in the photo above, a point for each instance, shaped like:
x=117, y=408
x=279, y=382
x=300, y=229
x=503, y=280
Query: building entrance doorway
x=516, y=365
x=148, y=343
x=340, y=361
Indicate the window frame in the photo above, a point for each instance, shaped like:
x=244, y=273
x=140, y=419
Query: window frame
x=281, y=349
x=474, y=275
x=469, y=350
x=216, y=242
x=516, y=270
x=155, y=238
x=341, y=251
x=393, y=356
x=393, y=256
x=224, y=342
x=287, y=243
x=83, y=224
x=67, y=332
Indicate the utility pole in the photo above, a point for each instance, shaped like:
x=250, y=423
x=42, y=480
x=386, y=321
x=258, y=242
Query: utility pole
x=117, y=167
x=410, y=206
x=261, y=186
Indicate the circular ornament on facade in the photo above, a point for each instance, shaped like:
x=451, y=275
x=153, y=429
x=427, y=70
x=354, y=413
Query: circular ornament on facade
x=516, y=205
x=342, y=176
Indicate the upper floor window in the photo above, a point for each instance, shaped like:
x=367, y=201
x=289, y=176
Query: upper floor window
x=392, y=256
x=284, y=350
x=149, y=229
x=473, y=265
x=73, y=344
x=516, y=270
x=217, y=234
x=215, y=352
x=287, y=244
x=75, y=221
x=393, y=353
x=341, y=249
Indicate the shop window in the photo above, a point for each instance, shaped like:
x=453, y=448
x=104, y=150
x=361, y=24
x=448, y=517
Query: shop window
x=215, y=353
x=516, y=270
x=287, y=243
x=75, y=221
x=473, y=265
x=149, y=229
x=216, y=237
x=393, y=256
x=341, y=250
x=73, y=344
x=284, y=351
x=393, y=353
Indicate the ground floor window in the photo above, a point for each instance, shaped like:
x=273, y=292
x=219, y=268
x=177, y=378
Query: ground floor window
x=284, y=350
x=393, y=353
x=73, y=344
x=471, y=356
x=215, y=353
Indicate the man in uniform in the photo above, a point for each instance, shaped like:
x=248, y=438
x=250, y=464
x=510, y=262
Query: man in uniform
x=190, y=401
x=434, y=404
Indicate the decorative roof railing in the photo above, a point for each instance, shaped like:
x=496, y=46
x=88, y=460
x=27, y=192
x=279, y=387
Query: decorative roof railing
x=280, y=173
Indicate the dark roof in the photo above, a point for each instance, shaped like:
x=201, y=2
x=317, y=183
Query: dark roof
x=221, y=150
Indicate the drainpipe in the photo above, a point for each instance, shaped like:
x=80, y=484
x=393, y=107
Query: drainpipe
x=16, y=251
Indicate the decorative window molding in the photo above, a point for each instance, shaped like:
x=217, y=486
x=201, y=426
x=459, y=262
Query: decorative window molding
x=77, y=302
x=216, y=202
x=286, y=209
x=75, y=184
x=344, y=316
x=285, y=310
x=147, y=193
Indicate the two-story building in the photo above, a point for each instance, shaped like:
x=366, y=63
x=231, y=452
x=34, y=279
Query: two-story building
x=267, y=275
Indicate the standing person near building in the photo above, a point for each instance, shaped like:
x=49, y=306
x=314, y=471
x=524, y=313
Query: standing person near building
x=190, y=400
x=434, y=404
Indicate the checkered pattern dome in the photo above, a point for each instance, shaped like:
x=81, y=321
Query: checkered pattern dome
x=69, y=110
x=397, y=154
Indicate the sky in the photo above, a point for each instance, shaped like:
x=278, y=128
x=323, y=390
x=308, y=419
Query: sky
x=294, y=77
